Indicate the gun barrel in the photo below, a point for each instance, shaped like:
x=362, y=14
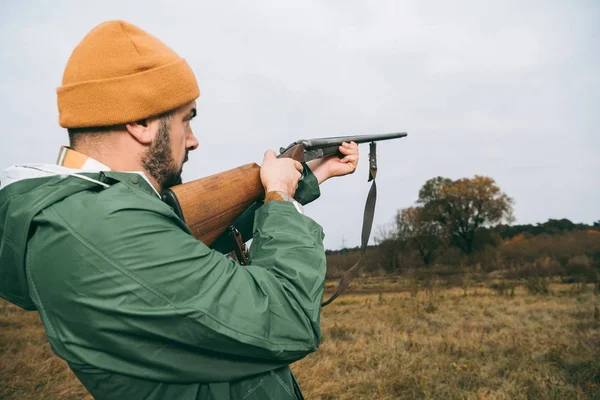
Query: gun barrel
x=312, y=144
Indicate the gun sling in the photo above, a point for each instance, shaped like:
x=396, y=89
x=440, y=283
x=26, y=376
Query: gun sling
x=367, y=224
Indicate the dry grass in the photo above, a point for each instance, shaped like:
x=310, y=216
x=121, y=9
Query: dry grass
x=372, y=284
x=28, y=368
x=435, y=343
x=441, y=344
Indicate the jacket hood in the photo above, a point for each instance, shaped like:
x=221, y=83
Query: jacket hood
x=25, y=190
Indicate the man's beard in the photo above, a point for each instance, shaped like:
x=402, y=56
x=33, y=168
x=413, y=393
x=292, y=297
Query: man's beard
x=158, y=159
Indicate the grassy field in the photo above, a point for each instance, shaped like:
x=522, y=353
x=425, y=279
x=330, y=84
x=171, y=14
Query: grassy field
x=406, y=342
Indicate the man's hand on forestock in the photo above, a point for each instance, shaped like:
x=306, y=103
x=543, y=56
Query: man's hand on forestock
x=325, y=168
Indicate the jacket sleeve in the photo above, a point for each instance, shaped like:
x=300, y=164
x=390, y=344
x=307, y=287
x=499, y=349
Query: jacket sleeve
x=132, y=292
x=307, y=192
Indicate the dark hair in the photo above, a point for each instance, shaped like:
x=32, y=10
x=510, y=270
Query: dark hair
x=76, y=135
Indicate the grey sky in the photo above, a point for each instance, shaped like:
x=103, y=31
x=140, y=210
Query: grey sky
x=508, y=89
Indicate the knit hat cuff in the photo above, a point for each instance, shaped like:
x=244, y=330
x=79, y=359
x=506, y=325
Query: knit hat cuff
x=130, y=98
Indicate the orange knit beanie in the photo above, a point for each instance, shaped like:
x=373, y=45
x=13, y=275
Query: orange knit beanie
x=119, y=74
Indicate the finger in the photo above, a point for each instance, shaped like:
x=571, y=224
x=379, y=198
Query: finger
x=345, y=149
x=350, y=158
x=298, y=166
x=269, y=154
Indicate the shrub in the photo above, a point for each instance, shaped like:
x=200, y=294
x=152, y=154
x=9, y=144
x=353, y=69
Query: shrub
x=504, y=288
x=560, y=248
x=338, y=332
x=580, y=269
x=538, y=285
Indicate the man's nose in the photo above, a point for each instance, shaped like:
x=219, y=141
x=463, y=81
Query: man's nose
x=192, y=143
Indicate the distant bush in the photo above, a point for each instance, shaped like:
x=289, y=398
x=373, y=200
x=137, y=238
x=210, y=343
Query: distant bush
x=560, y=248
x=580, y=269
x=572, y=255
x=504, y=288
x=575, y=256
x=338, y=332
x=538, y=285
x=339, y=261
x=540, y=267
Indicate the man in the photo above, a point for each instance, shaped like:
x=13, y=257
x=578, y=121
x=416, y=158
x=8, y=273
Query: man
x=137, y=307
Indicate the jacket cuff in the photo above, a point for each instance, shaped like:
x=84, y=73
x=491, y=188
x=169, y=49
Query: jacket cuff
x=308, y=188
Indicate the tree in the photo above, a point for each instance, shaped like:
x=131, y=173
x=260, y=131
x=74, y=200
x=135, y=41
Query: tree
x=557, y=225
x=420, y=232
x=463, y=206
x=388, y=247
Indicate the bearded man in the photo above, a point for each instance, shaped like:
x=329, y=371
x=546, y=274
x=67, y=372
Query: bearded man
x=137, y=307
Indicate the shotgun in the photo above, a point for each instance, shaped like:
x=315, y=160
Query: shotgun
x=240, y=191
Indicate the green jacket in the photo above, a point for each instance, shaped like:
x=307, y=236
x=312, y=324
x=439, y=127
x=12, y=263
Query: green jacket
x=140, y=309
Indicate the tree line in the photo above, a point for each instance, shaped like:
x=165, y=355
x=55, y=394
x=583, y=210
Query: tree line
x=455, y=221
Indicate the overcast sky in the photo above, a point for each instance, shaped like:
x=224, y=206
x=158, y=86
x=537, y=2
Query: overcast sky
x=507, y=89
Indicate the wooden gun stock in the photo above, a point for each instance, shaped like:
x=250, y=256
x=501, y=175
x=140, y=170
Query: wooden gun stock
x=209, y=205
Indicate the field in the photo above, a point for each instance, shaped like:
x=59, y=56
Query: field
x=404, y=342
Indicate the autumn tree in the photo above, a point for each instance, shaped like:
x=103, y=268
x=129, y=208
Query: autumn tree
x=464, y=205
x=420, y=232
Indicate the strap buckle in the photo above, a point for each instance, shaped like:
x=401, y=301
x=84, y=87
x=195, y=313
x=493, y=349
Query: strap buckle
x=239, y=247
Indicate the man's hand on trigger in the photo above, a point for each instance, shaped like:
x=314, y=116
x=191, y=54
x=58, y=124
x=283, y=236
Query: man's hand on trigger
x=325, y=168
x=280, y=174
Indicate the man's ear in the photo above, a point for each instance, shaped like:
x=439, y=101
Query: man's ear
x=141, y=131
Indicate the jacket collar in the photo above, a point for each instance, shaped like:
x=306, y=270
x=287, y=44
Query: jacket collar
x=70, y=158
